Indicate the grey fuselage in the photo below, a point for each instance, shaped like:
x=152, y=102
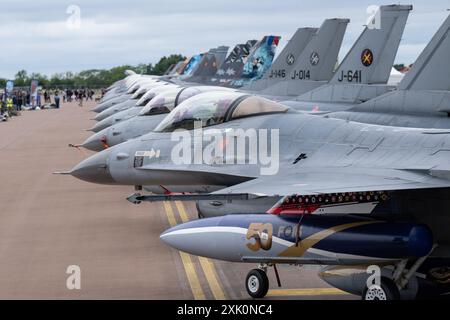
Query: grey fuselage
x=123, y=131
x=324, y=143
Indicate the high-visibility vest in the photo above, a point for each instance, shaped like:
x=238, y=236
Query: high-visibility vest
x=9, y=103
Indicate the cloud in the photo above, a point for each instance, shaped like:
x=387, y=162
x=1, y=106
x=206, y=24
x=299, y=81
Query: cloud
x=129, y=32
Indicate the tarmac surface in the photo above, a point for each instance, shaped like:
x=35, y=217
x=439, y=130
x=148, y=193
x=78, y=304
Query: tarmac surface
x=49, y=222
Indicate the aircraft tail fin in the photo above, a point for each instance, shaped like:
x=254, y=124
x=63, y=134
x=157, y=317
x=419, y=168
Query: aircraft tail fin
x=319, y=57
x=169, y=69
x=232, y=56
x=285, y=61
x=209, y=62
x=192, y=65
x=260, y=58
x=233, y=63
x=431, y=71
x=370, y=59
x=178, y=68
x=221, y=55
x=202, y=63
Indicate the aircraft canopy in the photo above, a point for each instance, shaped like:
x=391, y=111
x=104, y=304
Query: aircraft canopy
x=212, y=108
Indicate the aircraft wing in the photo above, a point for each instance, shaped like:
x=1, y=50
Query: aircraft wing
x=310, y=181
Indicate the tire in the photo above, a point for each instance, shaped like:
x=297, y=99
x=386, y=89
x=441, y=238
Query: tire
x=257, y=283
x=386, y=291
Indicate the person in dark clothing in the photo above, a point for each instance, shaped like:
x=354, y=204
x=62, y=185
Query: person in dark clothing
x=20, y=103
x=80, y=97
x=57, y=98
x=46, y=96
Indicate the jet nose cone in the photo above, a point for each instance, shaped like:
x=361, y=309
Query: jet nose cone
x=105, y=114
x=94, y=169
x=105, y=123
x=99, y=116
x=100, y=107
x=96, y=108
x=96, y=142
x=204, y=238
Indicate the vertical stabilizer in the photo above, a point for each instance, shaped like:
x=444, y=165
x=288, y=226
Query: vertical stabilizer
x=431, y=71
x=370, y=59
x=318, y=59
x=233, y=64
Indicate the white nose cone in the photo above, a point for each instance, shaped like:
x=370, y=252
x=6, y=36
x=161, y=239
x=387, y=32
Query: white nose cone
x=205, y=238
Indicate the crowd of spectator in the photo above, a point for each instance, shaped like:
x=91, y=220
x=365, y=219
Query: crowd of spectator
x=13, y=103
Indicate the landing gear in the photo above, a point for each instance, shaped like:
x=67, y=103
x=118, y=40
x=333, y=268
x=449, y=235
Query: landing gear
x=400, y=285
x=257, y=283
x=387, y=290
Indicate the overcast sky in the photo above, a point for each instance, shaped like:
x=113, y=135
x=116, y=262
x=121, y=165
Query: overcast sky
x=36, y=36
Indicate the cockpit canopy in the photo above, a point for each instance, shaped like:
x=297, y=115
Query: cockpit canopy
x=151, y=93
x=212, y=108
x=144, y=88
x=161, y=103
x=189, y=92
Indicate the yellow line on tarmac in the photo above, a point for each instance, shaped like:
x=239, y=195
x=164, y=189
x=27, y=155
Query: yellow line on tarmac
x=169, y=213
x=189, y=267
x=211, y=276
x=207, y=265
x=182, y=211
x=305, y=292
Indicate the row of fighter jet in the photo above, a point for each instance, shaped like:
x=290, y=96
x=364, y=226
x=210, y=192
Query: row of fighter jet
x=296, y=161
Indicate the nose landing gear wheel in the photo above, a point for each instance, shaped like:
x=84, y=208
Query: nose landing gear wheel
x=257, y=283
x=387, y=290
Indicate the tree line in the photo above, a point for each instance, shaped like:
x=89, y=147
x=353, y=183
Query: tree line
x=92, y=78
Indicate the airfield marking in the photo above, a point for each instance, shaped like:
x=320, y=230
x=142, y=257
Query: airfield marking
x=189, y=267
x=192, y=277
x=210, y=273
x=206, y=264
x=305, y=292
x=169, y=213
x=182, y=211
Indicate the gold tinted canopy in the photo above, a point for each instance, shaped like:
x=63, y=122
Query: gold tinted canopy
x=212, y=108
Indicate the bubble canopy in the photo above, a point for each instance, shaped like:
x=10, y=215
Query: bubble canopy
x=212, y=108
x=189, y=92
x=150, y=94
x=164, y=102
